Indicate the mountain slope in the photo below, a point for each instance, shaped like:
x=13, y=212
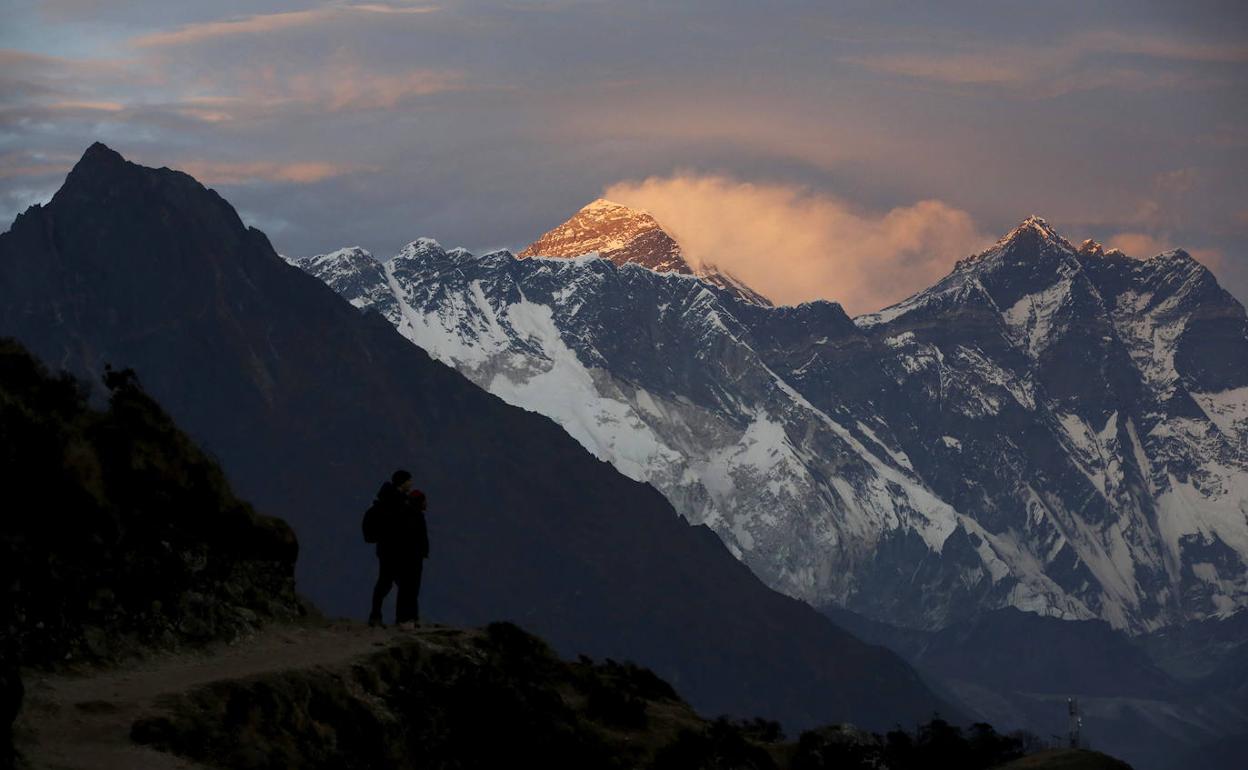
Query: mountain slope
x=1123, y=381
x=1051, y=428
x=309, y=404
x=614, y=232
x=1017, y=669
x=657, y=373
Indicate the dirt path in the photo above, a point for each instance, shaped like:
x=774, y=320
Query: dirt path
x=72, y=721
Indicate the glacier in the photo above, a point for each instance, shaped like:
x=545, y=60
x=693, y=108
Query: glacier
x=1055, y=428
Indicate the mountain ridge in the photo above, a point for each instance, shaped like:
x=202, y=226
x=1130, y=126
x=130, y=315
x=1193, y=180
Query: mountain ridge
x=309, y=404
x=626, y=235
x=615, y=232
x=906, y=406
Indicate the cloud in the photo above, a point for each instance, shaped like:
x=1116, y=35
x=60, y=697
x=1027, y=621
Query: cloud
x=1145, y=245
x=259, y=89
x=953, y=68
x=349, y=87
x=1173, y=202
x=237, y=173
x=337, y=85
x=794, y=245
x=30, y=164
x=27, y=76
x=1101, y=59
x=268, y=23
x=486, y=122
x=87, y=105
x=1159, y=47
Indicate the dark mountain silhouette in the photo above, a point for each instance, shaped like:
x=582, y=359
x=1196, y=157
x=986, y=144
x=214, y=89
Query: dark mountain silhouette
x=144, y=548
x=1025, y=652
x=309, y=405
x=1195, y=650
x=1017, y=669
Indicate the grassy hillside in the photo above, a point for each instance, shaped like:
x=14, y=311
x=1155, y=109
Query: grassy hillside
x=1066, y=759
x=119, y=534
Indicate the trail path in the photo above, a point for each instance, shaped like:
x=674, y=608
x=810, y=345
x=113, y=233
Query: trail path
x=82, y=720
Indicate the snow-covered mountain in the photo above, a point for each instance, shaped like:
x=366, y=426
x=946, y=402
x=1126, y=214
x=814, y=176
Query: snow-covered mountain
x=1053, y=428
x=626, y=235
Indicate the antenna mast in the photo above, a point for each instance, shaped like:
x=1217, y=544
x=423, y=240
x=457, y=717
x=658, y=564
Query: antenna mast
x=1076, y=722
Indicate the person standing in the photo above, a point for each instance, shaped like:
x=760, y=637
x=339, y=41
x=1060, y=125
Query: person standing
x=402, y=546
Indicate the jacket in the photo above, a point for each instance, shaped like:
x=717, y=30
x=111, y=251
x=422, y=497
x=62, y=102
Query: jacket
x=405, y=534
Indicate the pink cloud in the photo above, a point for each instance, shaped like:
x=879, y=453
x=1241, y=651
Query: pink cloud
x=86, y=104
x=24, y=164
x=348, y=87
x=338, y=83
x=794, y=245
x=268, y=23
x=1065, y=67
x=305, y=172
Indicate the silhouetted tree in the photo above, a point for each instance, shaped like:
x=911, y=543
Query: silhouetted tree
x=720, y=746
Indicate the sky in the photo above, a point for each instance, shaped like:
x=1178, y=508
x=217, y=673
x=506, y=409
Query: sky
x=850, y=151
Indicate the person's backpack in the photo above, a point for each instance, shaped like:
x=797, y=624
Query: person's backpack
x=374, y=522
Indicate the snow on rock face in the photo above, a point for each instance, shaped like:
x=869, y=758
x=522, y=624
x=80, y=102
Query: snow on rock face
x=628, y=236
x=1045, y=428
x=1134, y=465
x=354, y=274
x=615, y=232
x=655, y=373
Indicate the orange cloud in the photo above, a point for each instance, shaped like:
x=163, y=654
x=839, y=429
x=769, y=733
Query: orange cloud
x=305, y=172
x=266, y=23
x=338, y=84
x=205, y=115
x=794, y=245
x=1144, y=245
x=350, y=88
x=96, y=106
x=22, y=164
